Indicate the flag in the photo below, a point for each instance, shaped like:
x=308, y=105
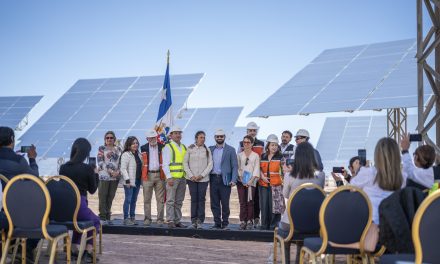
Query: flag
x=165, y=115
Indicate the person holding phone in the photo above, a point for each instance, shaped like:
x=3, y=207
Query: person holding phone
x=108, y=170
x=131, y=170
x=420, y=172
x=86, y=179
x=248, y=175
x=353, y=168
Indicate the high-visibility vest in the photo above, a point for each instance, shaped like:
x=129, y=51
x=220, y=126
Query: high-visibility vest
x=272, y=170
x=146, y=164
x=176, y=161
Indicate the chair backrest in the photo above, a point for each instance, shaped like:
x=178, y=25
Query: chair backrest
x=65, y=199
x=345, y=216
x=304, y=204
x=26, y=202
x=425, y=229
x=4, y=180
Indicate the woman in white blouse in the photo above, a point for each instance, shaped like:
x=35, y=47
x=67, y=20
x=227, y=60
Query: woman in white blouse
x=248, y=175
x=384, y=178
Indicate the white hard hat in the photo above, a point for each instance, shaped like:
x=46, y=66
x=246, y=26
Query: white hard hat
x=175, y=128
x=272, y=139
x=302, y=133
x=151, y=133
x=252, y=125
x=219, y=132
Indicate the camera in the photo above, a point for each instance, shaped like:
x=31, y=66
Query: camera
x=25, y=149
x=338, y=169
x=415, y=137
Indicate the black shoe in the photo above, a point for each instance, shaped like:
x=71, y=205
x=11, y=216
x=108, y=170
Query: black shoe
x=216, y=226
x=225, y=227
x=180, y=225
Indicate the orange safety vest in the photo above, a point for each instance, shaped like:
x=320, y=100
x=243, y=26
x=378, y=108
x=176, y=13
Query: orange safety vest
x=145, y=167
x=272, y=170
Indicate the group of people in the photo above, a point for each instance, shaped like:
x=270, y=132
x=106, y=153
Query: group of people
x=257, y=169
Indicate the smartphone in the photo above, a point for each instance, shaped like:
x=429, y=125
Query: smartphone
x=338, y=169
x=25, y=149
x=290, y=161
x=362, y=153
x=92, y=161
x=415, y=137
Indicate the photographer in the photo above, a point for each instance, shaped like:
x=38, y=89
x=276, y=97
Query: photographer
x=353, y=166
x=12, y=164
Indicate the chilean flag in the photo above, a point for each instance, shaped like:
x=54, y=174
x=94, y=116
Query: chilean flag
x=165, y=116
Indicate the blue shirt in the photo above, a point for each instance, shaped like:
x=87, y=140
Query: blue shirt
x=217, y=159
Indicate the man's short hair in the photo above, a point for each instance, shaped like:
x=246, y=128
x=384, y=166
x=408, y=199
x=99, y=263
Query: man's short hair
x=6, y=136
x=287, y=132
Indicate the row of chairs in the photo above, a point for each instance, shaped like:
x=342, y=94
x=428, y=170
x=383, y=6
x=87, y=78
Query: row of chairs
x=44, y=210
x=344, y=217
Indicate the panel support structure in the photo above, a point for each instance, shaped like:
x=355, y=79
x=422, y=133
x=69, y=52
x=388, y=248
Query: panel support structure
x=428, y=45
x=396, y=123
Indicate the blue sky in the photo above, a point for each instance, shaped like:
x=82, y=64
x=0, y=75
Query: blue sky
x=248, y=49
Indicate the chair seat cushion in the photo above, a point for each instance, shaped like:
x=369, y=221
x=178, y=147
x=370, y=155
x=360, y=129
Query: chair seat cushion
x=314, y=244
x=53, y=230
x=397, y=259
x=69, y=224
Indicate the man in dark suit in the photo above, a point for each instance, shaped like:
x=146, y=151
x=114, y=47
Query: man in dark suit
x=222, y=177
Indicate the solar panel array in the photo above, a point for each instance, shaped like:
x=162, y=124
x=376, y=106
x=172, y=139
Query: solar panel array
x=127, y=106
x=341, y=137
x=366, y=77
x=208, y=120
x=13, y=109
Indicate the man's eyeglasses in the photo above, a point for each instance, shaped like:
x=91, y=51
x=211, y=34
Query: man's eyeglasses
x=219, y=136
x=109, y=138
x=246, y=162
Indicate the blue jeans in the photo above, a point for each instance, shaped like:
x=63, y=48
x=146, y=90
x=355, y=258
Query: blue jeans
x=131, y=194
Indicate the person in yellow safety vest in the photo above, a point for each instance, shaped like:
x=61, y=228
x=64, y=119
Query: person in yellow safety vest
x=172, y=155
x=270, y=188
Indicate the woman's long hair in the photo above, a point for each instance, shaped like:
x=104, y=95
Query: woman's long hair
x=196, y=136
x=305, y=163
x=80, y=150
x=128, y=143
x=387, y=162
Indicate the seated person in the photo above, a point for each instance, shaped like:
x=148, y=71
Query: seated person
x=420, y=171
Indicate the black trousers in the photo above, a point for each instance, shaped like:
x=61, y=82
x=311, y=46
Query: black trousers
x=197, y=190
x=257, y=202
x=269, y=220
x=219, y=194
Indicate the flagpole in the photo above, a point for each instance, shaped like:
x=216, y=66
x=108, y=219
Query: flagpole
x=168, y=63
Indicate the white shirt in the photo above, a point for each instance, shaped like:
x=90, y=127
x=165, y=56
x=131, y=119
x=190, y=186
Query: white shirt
x=365, y=180
x=422, y=176
x=166, y=158
x=153, y=159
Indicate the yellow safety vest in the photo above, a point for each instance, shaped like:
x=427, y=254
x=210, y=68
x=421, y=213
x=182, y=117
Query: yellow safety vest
x=176, y=162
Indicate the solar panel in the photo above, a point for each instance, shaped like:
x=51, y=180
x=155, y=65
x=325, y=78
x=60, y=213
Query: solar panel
x=374, y=76
x=208, y=120
x=13, y=109
x=341, y=137
x=127, y=106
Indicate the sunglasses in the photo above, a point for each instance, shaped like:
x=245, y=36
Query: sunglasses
x=298, y=138
x=109, y=138
x=246, y=162
x=219, y=136
x=247, y=142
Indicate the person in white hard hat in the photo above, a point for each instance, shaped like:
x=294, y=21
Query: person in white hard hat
x=303, y=136
x=270, y=185
x=173, y=155
x=222, y=178
x=258, y=147
x=153, y=177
